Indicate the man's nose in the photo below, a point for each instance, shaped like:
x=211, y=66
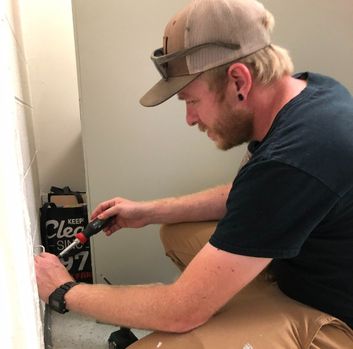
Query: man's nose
x=191, y=116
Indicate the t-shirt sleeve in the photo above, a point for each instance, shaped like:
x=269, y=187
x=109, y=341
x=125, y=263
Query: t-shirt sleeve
x=271, y=210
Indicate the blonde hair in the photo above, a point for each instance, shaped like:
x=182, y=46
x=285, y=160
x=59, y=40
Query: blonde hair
x=269, y=64
x=266, y=65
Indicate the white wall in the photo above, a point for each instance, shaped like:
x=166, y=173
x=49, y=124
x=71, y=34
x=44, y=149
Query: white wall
x=49, y=39
x=40, y=146
x=20, y=318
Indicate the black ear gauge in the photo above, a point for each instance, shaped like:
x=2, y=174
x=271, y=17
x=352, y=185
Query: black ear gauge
x=240, y=97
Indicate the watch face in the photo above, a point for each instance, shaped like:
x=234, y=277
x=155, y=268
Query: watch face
x=57, y=300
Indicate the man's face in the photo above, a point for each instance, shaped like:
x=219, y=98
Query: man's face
x=225, y=123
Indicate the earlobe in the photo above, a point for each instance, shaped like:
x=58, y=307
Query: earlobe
x=242, y=79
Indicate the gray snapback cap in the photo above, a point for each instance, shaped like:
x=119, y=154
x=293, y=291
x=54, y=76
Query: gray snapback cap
x=204, y=35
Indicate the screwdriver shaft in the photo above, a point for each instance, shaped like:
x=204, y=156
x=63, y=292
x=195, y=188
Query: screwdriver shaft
x=70, y=247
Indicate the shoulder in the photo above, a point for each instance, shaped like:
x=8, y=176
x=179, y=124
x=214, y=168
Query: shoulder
x=313, y=133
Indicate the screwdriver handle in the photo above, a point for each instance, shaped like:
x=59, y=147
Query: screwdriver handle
x=93, y=228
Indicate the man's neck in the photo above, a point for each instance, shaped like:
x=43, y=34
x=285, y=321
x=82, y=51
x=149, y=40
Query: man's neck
x=268, y=100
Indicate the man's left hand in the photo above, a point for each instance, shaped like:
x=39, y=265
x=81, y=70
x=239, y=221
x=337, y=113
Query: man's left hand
x=50, y=274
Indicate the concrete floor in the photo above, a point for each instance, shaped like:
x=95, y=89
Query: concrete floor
x=73, y=331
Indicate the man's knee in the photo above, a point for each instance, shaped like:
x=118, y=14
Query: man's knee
x=334, y=335
x=166, y=235
x=183, y=241
x=186, y=236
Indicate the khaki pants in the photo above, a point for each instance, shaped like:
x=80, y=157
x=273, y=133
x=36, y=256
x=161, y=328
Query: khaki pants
x=259, y=317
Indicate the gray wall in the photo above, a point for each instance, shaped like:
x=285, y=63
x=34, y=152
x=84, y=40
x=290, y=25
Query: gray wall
x=141, y=153
x=50, y=49
x=318, y=34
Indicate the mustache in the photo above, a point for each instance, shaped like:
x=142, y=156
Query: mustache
x=202, y=127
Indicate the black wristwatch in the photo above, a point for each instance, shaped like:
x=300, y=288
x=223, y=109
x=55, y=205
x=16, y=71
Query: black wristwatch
x=57, y=298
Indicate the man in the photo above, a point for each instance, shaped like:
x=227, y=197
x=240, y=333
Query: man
x=290, y=207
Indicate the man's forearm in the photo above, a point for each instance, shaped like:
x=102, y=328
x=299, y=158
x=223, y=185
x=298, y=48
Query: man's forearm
x=202, y=206
x=152, y=307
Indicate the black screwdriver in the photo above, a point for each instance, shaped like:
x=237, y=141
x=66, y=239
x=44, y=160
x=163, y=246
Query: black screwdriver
x=91, y=229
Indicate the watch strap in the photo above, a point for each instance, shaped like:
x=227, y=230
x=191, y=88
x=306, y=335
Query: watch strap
x=57, y=298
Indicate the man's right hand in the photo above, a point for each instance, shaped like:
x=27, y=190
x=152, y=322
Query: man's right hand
x=127, y=214
x=207, y=205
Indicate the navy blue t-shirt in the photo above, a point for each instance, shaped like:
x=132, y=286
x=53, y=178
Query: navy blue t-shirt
x=293, y=201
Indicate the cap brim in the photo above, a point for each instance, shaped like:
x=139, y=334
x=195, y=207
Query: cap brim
x=165, y=89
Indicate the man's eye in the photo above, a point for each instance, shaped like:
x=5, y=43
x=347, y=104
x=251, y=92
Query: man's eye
x=191, y=101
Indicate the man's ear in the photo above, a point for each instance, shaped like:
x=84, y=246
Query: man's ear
x=240, y=77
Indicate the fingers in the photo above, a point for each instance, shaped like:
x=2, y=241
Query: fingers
x=105, y=209
x=110, y=229
x=100, y=208
x=45, y=255
x=47, y=260
x=50, y=274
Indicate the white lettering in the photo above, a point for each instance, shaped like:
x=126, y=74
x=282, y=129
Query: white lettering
x=62, y=231
x=75, y=221
x=60, y=245
x=84, y=255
